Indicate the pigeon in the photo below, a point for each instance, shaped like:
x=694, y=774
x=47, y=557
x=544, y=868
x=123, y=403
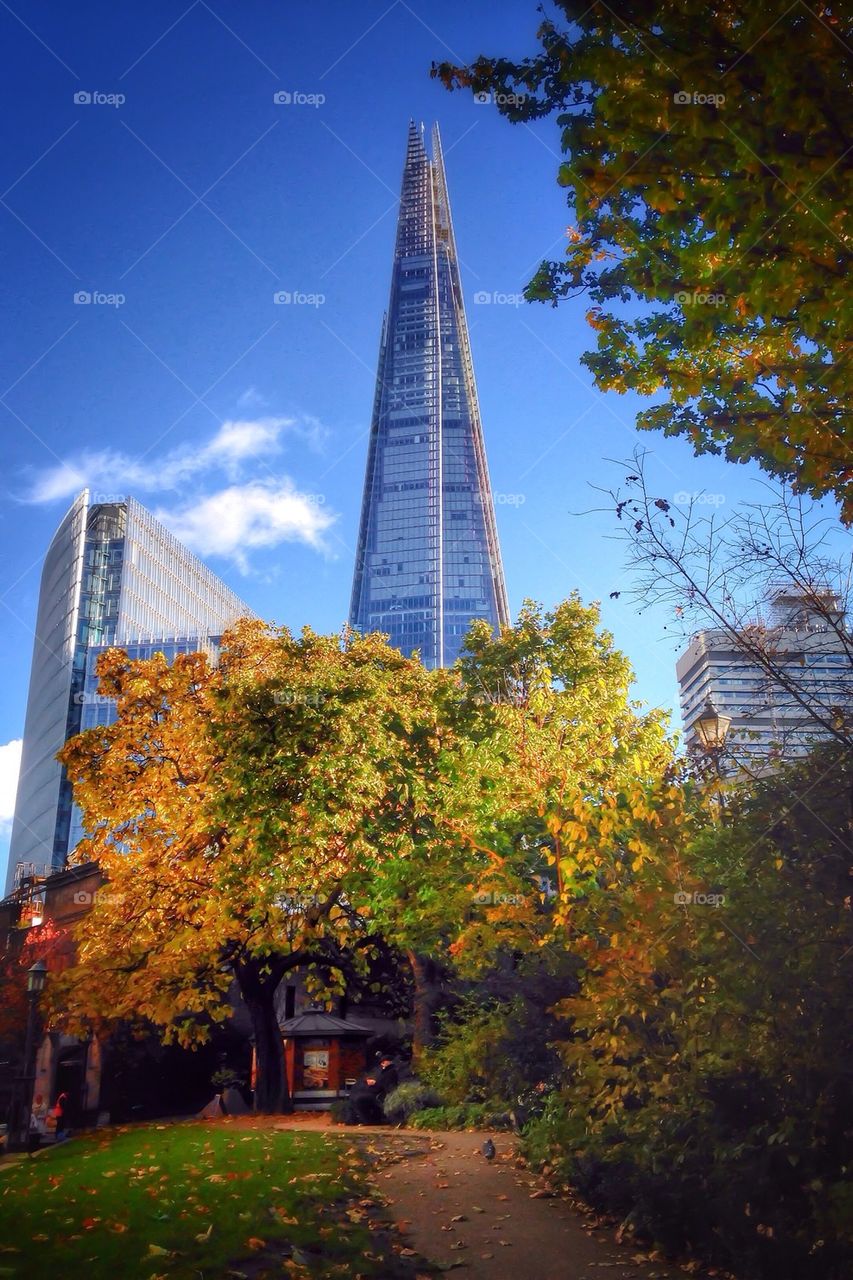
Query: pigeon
x=488, y=1149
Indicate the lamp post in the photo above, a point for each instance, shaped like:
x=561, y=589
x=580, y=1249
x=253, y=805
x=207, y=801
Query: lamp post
x=711, y=727
x=36, y=976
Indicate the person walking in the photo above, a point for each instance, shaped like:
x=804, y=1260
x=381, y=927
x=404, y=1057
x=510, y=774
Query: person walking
x=59, y=1109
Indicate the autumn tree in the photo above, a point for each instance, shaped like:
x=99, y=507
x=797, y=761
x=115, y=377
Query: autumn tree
x=592, y=793
x=590, y=769
x=707, y=166
x=244, y=815
x=707, y=1098
x=21, y=948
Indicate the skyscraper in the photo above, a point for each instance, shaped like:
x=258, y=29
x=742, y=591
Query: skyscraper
x=113, y=574
x=769, y=704
x=428, y=560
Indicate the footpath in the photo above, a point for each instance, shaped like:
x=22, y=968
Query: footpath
x=490, y=1220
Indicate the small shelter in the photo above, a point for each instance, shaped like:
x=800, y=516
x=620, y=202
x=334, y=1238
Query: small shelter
x=324, y=1056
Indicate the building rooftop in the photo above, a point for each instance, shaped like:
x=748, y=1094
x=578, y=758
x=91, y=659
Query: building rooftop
x=316, y=1022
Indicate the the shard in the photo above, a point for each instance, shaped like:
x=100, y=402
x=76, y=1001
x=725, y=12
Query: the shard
x=428, y=560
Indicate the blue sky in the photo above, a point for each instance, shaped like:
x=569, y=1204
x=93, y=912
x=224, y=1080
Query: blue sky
x=187, y=206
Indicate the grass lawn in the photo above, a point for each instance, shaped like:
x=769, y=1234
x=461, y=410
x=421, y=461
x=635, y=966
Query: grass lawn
x=195, y=1199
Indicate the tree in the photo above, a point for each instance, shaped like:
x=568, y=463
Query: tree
x=708, y=167
x=590, y=774
x=709, y=1098
x=718, y=572
x=243, y=816
x=591, y=794
x=22, y=948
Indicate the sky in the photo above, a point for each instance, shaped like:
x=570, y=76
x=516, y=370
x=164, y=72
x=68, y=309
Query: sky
x=171, y=170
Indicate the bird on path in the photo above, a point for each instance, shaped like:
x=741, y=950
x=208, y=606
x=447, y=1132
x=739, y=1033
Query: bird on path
x=488, y=1149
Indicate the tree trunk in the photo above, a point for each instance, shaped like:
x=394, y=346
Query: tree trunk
x=272, y=1096
x=427, y=980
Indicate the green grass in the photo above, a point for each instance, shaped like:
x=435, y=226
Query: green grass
x=197, y=1199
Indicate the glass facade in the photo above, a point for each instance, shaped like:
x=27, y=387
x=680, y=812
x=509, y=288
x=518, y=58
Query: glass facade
x=428, y=560
x=112, y=575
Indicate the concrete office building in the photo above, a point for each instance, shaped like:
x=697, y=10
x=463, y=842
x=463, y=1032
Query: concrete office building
x=813, y=649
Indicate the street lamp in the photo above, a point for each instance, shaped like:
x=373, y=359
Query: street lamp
x=712, y=727
x=36, y=976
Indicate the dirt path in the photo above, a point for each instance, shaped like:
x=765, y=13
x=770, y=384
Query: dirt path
x=458, y=1210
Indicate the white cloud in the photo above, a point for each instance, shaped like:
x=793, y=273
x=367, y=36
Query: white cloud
x=257, y=509
x=247, y=517
x=58, y=482
x=111, y=471
x=251, y=398
x=10, y=763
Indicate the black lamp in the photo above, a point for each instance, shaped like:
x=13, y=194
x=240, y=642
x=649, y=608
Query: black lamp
x=36, y=978
x=711, y=727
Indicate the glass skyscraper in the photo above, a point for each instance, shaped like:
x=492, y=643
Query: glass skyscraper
x=113, y=575
x=428, y=560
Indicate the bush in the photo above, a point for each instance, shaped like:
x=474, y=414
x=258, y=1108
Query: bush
x=707, y=1096
x=343, y=1112
x=408, y=1098
x=465, y=1115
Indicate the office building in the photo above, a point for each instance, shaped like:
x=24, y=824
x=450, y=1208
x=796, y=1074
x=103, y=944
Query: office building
x=810, y=648
x=427, y=560
x=113, y=575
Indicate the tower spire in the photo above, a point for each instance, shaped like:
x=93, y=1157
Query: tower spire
x=428, y=561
